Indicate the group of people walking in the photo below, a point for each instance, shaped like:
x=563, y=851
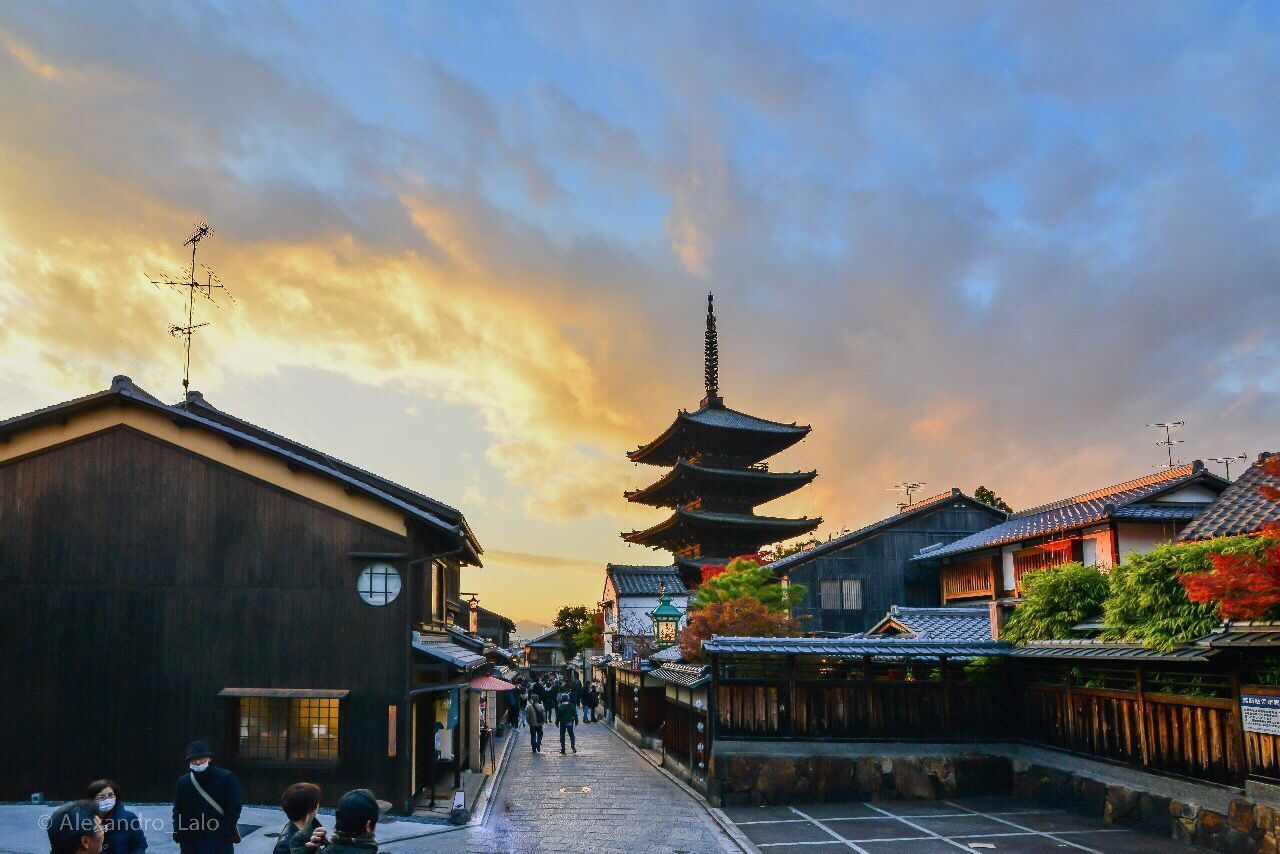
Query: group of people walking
x=206, y=812
x=538, y=701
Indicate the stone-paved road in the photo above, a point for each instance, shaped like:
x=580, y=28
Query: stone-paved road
x=631, y=808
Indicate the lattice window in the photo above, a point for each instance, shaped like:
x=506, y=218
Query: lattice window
x=841, y=594
x=1048, y=556
x=287, y=729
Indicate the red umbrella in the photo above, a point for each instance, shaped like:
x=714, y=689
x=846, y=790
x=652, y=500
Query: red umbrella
x=491, y=683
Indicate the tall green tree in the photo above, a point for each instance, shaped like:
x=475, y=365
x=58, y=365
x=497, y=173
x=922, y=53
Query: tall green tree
x=745, y=577
x=1054, y=600
x=988, y=496
x=571, y=620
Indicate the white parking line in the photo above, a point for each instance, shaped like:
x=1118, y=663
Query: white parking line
x=915, y=826
x=1045, y=834
x=828, y=831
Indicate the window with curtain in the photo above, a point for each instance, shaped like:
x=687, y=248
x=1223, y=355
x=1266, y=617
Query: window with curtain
x=840, y=594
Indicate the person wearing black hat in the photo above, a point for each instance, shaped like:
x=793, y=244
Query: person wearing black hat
x=354, y=822
x=206, y=805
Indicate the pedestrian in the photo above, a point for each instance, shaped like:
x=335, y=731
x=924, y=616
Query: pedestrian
x=75, y=828
x=567, y=716
x=206, y=805
x=354, y=823
x=121, y=828
x=536, y=715
x=300, y=803
x=590, y=698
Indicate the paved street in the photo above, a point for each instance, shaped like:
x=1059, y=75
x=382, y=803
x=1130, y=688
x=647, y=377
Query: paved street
x=631, y=807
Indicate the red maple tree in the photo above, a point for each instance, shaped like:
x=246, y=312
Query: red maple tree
x=1245, y=586
x=711, y=570
x=741, y=617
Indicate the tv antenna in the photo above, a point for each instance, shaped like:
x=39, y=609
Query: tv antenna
x=1168, y=442
x=906, y=487
x=186, y=280
x=1227, y=461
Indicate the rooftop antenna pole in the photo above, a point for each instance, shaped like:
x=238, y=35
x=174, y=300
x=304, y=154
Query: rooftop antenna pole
x=907, y=487
x=1227, y=461
x=187, y=281
x=1169, y=441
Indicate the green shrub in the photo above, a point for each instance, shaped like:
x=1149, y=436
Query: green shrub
x=1149, y=605
x=1054, y=600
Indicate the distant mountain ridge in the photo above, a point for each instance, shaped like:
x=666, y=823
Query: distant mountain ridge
x=528, y=629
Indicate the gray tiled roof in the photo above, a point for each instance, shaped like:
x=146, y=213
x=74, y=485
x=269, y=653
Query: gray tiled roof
x=853, y=646
x=667, y=654
x=1256, y=635
x=684, y=675
x=1240, y=509
x=643, y=580
x=1100, y=650
x=907, y=513
x=1183, y=511
x=448, y=651
x=723, y=416
x=1078, y=511
x=958, y=623
x=548, y=638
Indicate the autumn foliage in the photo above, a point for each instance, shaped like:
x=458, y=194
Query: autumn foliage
x=1245, y=585
x=744, y=616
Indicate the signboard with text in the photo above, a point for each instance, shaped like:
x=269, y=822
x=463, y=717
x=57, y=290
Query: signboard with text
x=1260, y=714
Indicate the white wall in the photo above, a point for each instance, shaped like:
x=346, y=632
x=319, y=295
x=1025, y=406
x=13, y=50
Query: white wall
x=1139, y=539
x=1192, y=492
x=1006, y=565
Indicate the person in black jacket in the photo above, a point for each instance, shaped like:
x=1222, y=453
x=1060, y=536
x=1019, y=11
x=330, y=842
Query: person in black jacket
x=206, y=805
x=121, y=828
x=300, y=802
x=567, y=716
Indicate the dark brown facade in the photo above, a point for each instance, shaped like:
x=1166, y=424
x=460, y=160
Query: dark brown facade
x=154, y=596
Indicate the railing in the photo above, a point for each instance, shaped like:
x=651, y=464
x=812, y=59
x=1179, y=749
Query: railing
x=1177, y=722
x=970, y=578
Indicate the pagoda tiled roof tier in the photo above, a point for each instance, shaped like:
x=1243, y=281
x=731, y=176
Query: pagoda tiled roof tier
x=720, y=433
x=746, y=531
x=750, y=486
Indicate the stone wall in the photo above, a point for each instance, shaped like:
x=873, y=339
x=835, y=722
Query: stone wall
x=741, y=780
x=1242, y=827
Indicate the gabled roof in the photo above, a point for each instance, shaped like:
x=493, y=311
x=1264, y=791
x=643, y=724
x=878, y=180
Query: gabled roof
x=494, y=617
x=550, y=638
x=644, y=580
x=911, y=511
x=1081, y=510
x=447, y=650
x=956, y=623
x=1240, y=509
x=194, y=411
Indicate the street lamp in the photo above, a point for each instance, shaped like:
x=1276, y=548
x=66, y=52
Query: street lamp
x=666, y=619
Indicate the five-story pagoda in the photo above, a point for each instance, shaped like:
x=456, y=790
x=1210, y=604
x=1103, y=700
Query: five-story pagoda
x=717, y=477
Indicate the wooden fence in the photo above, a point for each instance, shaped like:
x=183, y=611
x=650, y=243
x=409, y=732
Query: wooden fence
x=1175, y=721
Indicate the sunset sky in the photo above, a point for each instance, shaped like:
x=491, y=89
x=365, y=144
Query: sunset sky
x=470, y=244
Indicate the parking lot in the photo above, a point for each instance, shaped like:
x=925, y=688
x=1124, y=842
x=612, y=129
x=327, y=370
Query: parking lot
x=996, y=823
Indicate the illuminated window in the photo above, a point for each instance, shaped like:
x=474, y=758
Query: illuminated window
x=287, y=729
x=378, y=584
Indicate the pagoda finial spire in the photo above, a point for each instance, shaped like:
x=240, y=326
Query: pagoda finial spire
x=711, y=360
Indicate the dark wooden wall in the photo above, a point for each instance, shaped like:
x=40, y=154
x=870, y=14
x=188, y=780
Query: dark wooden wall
x=883, y=562
x=138, y=580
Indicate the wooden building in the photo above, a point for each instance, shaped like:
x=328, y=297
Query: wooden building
x=545, y=654
x=171, y=572
x=717, y=476
x=852, y=580
x=630, y=595
x=494, y=627
x=1098, y=528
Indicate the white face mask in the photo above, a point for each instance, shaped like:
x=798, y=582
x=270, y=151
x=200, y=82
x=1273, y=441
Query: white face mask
x=106, y=805
x=200, y=766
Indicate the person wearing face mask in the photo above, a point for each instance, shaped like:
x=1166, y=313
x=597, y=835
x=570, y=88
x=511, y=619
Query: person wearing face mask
x=206, y=805
x=121, y=828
